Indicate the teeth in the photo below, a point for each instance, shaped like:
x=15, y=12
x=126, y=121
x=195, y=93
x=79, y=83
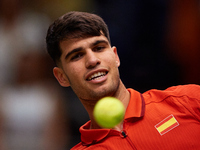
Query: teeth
x=97, y=75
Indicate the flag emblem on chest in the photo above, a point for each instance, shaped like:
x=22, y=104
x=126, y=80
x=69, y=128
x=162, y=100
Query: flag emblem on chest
x=166, y=124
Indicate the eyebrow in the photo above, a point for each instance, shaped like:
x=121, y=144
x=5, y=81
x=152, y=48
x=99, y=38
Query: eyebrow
x=81, y=48
x=99, y=41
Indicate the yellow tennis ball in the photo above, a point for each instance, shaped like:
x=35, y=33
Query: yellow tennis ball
x=109, y=112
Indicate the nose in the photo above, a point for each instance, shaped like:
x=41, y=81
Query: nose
x=92, y=60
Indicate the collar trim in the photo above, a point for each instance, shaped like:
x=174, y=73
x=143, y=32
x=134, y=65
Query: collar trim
x=135, y=109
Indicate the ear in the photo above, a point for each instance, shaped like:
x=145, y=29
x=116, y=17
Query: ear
x=116, y=56
x=61, y=77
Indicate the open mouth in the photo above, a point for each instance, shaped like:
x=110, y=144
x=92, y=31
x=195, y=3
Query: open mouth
x=97, y=75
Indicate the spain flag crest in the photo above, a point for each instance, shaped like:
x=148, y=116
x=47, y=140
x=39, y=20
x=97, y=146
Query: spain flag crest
x=166, y=124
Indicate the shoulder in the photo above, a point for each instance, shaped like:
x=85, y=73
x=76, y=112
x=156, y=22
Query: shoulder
x=183, y=98
x=190, y=90
x=79, y=146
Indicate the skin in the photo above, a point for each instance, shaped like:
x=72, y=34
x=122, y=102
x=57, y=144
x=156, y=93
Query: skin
x=82, y=58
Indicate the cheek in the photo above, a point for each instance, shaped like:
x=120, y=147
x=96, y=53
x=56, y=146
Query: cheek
x=74, y=72
x=111, y=60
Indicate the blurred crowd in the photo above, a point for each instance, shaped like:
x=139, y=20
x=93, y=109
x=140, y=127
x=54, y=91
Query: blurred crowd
x=159, y=40
x=33, y=107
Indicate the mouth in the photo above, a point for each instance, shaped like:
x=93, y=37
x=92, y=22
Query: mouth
x=97, y=75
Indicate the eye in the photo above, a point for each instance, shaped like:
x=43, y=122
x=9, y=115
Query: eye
x=76, y=56
x=99, y=48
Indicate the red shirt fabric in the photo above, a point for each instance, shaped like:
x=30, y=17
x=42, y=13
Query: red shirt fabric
x=168, y=119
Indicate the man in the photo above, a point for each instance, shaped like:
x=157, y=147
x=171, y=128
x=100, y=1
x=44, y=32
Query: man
x=80, y=45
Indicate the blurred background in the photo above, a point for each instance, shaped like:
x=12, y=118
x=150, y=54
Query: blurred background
x=157, y=41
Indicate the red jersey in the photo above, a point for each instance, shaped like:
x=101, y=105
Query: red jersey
x=156, y=119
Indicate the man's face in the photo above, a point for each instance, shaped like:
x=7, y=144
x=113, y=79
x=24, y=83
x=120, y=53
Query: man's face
x=89, y=66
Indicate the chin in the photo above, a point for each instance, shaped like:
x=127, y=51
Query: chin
x=105, y=92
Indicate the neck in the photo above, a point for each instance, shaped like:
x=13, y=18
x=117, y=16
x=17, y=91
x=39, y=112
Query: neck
x=122, y=94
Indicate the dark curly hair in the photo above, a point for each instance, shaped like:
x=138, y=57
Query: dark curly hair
x=73, y=25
